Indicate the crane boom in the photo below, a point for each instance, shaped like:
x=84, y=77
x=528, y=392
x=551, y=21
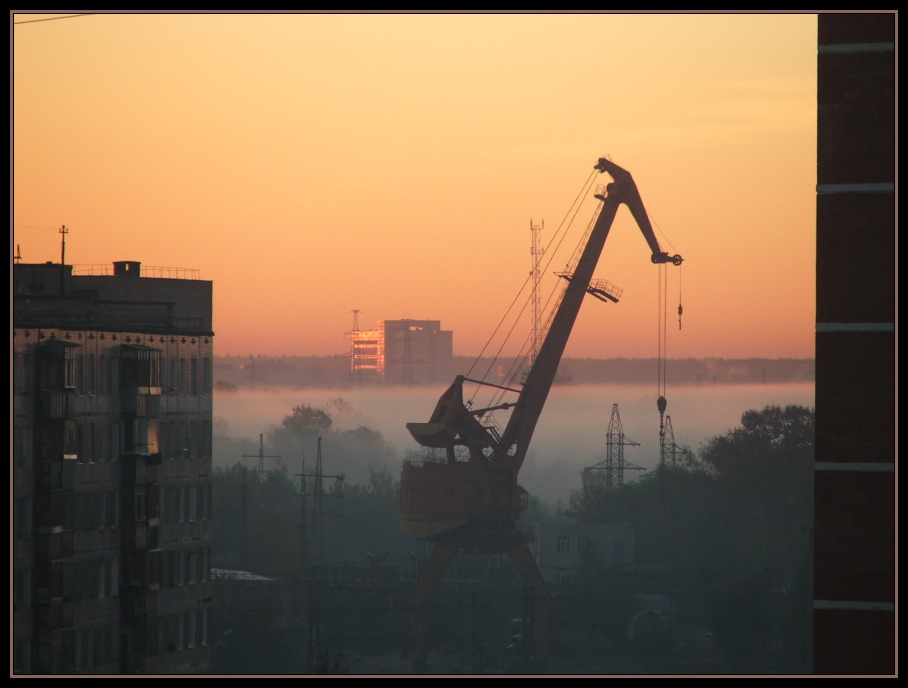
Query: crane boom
x=522, y=423
x=452, y=423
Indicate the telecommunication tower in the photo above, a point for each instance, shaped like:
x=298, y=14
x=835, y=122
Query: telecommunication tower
x=536, y=253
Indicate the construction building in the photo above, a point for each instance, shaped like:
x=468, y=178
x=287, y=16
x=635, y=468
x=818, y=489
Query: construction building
x=402, y=352
x=111, y=470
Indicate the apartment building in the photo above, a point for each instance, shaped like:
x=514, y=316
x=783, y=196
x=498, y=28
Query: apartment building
x=111, y=469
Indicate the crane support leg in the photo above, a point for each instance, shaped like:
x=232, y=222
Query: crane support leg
x=523, y=561
x=428, y=577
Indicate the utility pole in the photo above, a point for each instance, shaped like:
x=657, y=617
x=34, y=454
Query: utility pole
x=307, y=577
x=261, y=458
x=312, y=552
x=243, y=508
x=245, y=501
x=63, y=232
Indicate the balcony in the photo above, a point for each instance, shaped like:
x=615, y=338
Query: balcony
x=139, y=602
x=141, y=402
x=53, y=546
x=55, y=616
x=57, y=404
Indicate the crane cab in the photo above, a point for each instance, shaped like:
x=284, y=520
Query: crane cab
x=437, y=497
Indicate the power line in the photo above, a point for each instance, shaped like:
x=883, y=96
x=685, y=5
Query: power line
x=68, y=16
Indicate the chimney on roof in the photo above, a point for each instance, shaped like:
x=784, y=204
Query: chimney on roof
x=127, y=268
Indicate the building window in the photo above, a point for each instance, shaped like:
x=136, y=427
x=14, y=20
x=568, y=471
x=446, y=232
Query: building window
x=113, y=515
x=176, y=619
x=103, y=582
x=202, y=503
x=87, y=374
x=174, y=383
x=193, y=438
x=105, y=644
x=21, y=372
x=22, y=445
x=188, y=567
x=114, y=375
x=203, y=565
x=619, y=549
x=190, y=629
x=69, y=368
x=184, y=376
x=22, y=518
x=206, y=375
x=206, y=439
x=113, y=446
x=185, y=493
x=193, y=502
x=201, y=626
x=175, y=506
x=113, y=578
x=21, y=589
x=141, y=367
x=193, y=376
x=21, y=656
x=170, y=569
x=563, y=543
x=165, y=505
x=88, y=443
x=104, y=375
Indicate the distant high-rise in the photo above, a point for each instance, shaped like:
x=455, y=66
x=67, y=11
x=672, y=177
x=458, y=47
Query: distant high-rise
x=111, y=489
x=402, y=352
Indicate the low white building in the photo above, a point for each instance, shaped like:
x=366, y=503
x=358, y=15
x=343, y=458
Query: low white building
x=561, y=548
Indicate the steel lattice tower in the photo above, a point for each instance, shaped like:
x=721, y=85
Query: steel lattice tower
x=536, y=252
x=671, y=451
x=614, y=464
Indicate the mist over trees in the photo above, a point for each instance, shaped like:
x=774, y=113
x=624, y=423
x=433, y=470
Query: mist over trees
x=261, y=520
x=723, y=568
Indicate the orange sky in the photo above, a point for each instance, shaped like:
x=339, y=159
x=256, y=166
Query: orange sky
x=310, y=165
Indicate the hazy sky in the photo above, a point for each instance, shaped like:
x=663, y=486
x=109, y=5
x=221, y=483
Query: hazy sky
x=311, y=165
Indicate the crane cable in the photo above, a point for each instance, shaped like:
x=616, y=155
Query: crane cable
x=661, y=402
x=680, y=309
x=662, y=319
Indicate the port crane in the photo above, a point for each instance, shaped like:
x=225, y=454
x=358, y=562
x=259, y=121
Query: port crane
x=472, y=504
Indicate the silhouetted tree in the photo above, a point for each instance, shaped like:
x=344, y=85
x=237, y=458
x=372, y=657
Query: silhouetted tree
x=307, y=420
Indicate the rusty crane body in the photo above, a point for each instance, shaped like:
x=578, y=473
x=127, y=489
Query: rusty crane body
x=469, y=500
